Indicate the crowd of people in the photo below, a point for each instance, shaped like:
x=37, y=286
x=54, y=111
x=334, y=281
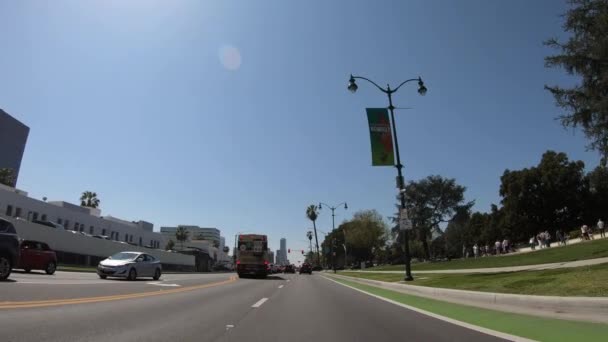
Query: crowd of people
x=540, y=240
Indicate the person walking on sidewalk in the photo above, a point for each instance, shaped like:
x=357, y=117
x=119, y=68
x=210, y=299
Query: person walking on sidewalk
x=475, y=250
x=600, y=227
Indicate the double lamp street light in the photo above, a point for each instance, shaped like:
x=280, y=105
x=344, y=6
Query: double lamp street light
x=333, y=228
x=352, y=86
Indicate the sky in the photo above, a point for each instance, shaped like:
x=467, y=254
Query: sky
x=235, y=114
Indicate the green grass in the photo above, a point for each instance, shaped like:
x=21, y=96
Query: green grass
x=589, y=281
x=532, y=327
x=69, y=268
x=580, y=251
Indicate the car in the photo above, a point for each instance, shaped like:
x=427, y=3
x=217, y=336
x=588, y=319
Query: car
x=9, y=248
x=317, y=268
x=306, y=268
x=130, y=265
x=49, y=224
x=36, y=255
x=289, y=269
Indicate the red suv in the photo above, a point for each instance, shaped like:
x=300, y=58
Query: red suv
x=37, y=255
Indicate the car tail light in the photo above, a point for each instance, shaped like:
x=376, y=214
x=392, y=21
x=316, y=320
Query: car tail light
x=238, y=262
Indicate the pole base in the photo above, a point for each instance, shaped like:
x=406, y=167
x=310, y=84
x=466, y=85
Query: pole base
x=408, y=278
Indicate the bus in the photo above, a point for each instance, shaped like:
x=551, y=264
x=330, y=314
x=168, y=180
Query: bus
x=252, y=256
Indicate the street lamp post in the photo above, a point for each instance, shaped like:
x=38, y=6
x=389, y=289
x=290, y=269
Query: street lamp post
x=333, y=227
x=352, y=86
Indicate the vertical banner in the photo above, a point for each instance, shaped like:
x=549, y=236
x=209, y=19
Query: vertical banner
x=381, y=137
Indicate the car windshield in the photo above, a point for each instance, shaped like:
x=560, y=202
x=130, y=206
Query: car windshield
x=124, y=256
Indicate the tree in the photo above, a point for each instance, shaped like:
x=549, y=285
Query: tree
x=585, y=54
x=430, y=202
x=312, y=214
x=181, y=234
x=597, y=202
x=367, y=235
x=545, y=197
x=89, y=199
x=170, y=245
x=7, y=177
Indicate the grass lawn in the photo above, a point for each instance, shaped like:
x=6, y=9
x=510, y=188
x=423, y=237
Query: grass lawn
x=537, y=328
x=589, y=281
x=69, y=268
x=579, y=251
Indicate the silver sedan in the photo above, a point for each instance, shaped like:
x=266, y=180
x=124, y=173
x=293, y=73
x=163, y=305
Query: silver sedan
x=130, y=265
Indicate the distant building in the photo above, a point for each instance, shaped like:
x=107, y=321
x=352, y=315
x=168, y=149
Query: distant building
x=283, y=251
x=277, y=258
x=13, y=137
x=271, y=257
x=194, y=233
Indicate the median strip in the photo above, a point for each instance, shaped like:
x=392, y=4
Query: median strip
x=85, y=300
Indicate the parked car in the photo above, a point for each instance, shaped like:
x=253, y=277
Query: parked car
x=306, y=268
x=49, y=224
x=9, y=248
x=36, y=255
x=289, y=269
x=276, y=269
x=130, y=265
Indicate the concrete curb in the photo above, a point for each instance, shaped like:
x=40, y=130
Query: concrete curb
x=587, y=309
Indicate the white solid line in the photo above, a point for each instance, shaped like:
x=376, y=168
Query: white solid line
x=288, y=280
x=281, y=286
x=443, y=318
x=259, y=303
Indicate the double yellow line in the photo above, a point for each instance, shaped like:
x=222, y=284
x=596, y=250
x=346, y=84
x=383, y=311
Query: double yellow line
x=85, y=300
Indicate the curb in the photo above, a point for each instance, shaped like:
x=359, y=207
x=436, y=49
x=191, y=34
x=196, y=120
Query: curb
x=586, y=309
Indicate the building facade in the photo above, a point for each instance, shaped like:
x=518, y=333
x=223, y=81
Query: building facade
x=15, y=203
x=13, y=137
x=194, y=233
x=271, y=257
x=283, y=251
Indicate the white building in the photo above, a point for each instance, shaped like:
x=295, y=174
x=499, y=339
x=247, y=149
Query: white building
x=194, y=233
x=16, y=203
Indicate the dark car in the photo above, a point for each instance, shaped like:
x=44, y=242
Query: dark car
x=306, y=268
x=317, y=268
x=9, y=248
x=289, y=269
x=36, y=255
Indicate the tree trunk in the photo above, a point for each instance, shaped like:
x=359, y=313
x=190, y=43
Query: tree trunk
x=425, y=245
x=314, y=225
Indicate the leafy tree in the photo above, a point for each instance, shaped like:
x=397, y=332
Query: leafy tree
x=597, y=201
x=548, y=196
x=170, y=245
x=584, y=54
x=181, y=234
x=89, y=199
x=7, y=177
x=430, y=202
x=367, y=233
x=312, y=214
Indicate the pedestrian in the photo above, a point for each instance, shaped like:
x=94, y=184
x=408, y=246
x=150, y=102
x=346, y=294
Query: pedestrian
x=558, y=236
x=584, y=233
x=600, y=227
x=547, y=238
x=497, y=246
x=533, y=242
x=541, y=241
x=475, y=251
x=487, y=249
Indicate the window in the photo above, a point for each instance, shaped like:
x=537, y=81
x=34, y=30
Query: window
x=82, y=227
x=117, y=236
x=103, y=232
x=59, y=220
x=7, y=227
x=140, y=242
x=126, y=237
x=130, y=238
x=91, y=230
x=9, y=210
x=35, y=216
x=43, y=218
x=18, y=212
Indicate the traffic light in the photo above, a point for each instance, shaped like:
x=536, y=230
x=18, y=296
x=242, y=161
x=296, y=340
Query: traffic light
x=302, y=252
x=289, y=250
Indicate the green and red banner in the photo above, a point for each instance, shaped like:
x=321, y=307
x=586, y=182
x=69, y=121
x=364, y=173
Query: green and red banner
x=381, y=137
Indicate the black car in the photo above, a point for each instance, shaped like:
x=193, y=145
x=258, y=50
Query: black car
x=9, y=248
x=290, y=269
x=306, y=268
x=317, y=268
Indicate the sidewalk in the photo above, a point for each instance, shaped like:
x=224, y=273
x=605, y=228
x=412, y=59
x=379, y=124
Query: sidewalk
x=568, y=264
x=585, y=309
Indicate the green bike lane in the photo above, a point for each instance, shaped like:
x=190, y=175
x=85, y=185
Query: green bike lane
x=526, y=326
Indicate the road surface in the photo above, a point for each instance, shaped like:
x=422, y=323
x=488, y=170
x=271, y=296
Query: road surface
x=207, y=307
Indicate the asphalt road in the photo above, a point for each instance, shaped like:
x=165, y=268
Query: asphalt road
x=207, y=307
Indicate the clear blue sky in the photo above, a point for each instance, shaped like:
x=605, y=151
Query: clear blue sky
x=131, y=99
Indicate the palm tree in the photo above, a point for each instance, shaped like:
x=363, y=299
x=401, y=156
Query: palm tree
x=311, y=213
x=181, y=234
x=7, y=177
x=89, y=199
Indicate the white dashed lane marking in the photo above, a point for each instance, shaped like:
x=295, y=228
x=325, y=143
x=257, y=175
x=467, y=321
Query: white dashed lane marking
x=281, y=286
x=259, y=303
